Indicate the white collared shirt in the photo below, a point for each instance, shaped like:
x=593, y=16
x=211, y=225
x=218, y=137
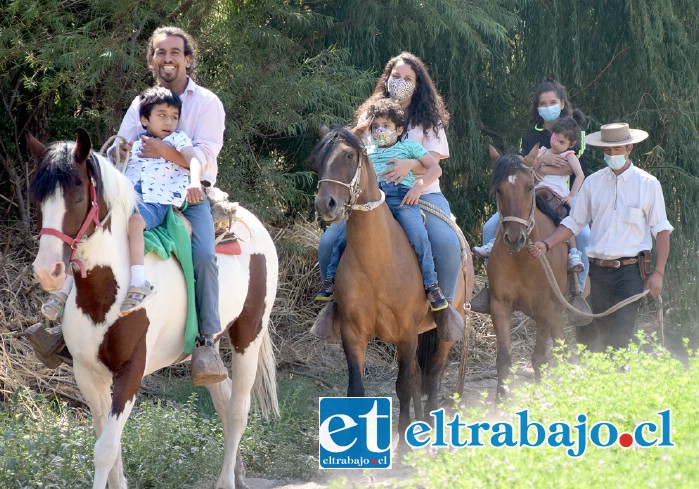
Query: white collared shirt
x=623, y=212
x=202, y=118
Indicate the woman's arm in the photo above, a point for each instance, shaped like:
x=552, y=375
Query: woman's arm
x=434, y=171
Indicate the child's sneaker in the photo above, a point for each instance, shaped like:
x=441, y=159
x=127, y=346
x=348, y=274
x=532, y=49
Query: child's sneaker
x=436, y=298
x=136, y=296
x=484, y=251
x=54, y=305
x=327, y=290
x=574, y=262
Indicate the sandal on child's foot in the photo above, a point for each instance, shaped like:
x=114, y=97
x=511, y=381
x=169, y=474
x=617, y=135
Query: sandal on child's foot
x=136, y=296
x=54, y=305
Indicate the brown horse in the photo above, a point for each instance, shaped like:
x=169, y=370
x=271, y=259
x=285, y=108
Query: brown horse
x=518, y=282
x=378, y=286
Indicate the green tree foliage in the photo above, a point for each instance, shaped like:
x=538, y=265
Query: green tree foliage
x=282, y=66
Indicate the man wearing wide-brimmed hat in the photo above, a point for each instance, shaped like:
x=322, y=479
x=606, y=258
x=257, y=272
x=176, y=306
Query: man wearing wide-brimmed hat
x=624, y=206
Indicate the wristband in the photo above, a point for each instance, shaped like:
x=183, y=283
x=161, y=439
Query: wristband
x=548, y=248
x=659, y=273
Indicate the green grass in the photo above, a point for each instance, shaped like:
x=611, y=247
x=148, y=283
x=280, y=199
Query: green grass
x=624, y=388
x=177, y=443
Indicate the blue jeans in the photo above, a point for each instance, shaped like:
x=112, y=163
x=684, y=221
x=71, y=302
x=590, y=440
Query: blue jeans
x=446, y=250
x=154, y=214
x=205, y=267
x=583, y=240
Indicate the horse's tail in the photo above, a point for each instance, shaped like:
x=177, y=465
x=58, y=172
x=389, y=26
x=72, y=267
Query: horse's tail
x=264, y=389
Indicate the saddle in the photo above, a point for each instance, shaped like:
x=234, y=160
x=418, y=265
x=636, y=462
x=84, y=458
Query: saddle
x=554, y=203
x=224, y=215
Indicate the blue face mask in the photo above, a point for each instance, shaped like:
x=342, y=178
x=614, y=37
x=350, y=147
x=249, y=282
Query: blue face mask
x=615, y=162
x=550, y=113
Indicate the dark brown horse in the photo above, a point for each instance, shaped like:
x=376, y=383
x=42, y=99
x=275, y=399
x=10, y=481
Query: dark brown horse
x=518, y=282
x=378, y=286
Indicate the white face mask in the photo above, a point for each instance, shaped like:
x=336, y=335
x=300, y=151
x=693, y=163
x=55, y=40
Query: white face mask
x=400, y=89
x=615, y=162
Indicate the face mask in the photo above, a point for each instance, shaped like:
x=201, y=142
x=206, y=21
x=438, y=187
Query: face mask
x=615, y=162
x=400, y=89
x=384, y=137
x=550, y=113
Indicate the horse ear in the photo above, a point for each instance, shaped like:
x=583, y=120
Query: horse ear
x=494, y=153
x=35, y=147
x=323, y=130
x=361, y=128
x=83, y=146
x=531, y=157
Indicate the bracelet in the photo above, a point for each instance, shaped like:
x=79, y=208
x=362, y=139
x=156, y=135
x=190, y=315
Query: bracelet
x=662, y=274
x=548, y=248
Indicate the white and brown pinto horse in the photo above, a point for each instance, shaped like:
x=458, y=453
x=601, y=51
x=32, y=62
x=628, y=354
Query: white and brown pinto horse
x=83, y=207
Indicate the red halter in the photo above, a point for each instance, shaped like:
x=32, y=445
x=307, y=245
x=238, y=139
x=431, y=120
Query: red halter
x=91, y=217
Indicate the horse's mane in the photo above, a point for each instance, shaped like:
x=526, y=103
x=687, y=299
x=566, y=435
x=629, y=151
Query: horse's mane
x=58, y=168
x=326, y=145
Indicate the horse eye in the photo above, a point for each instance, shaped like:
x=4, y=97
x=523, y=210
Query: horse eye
x=530, y=187
x=81, y=199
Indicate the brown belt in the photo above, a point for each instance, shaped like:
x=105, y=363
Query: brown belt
x=620, y=262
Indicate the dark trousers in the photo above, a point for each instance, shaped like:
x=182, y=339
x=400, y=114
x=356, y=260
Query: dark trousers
x=608, y=287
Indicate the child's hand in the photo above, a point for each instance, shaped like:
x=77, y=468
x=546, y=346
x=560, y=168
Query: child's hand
x=195, y=193
x=412, y=197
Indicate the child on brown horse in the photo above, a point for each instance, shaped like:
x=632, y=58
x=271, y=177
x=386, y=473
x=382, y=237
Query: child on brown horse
x=564, y=137
x=386, y=119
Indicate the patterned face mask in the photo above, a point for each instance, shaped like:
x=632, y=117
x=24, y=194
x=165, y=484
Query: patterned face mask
x=400, y=89
x=384, y=137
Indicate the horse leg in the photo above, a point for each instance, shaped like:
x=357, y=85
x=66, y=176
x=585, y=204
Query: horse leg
x=406, y=351
x=355, y=354
x=416, y=390
x=433, y=359
x=96, y=391
x=501, y=314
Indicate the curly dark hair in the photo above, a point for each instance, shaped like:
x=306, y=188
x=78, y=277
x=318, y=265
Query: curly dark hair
x=549, y=85
x=426, y=107
x=388, y=108
x=190, y=47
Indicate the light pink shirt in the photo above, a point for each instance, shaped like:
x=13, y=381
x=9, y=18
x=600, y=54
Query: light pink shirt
x=202, y=118
x=436, y=143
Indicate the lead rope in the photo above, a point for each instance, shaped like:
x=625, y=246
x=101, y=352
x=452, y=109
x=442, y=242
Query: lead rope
x=559, y=295
x=117, y=159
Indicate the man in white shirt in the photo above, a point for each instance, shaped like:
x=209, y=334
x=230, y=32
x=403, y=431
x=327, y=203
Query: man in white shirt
x=625, y=208
x=172, y=60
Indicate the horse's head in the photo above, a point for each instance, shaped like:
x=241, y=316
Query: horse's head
x=338, y=160
x=64, y=190
x=514, y=181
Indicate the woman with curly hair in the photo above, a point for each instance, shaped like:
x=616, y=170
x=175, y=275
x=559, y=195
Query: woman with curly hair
x=406, y=79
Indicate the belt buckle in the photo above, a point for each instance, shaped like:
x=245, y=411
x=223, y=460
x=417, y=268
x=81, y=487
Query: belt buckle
x=616, y=263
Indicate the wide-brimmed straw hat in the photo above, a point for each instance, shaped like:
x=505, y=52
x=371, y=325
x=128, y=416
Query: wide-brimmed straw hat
x=615, y=134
